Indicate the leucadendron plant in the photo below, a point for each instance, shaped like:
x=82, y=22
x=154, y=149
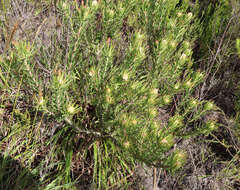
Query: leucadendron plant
x=121, y=84
x=131, y=60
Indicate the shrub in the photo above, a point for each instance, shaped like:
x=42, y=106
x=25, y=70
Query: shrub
x=124, y=64
x=131, y=59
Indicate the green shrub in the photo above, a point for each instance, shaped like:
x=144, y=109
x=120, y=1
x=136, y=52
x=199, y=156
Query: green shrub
x=124, y=81
x=131, y=59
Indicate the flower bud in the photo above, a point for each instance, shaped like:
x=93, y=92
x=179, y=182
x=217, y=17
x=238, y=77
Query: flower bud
x=111, y=13
x=71, y=109
x=154, y=91
x=64, y=5
x=126, y=144
x=188, y=52
x=92, y=72
x=188, y=84
x=198, y=76
x=193, y=103
x=212, y=126
x=134, y=122
x=186, y=44
x=125, y=76
x=41, y=101
x=94, y=3
x=173, y=44
x=153, y=112
x=209, y=106
x=175, y=122
x=166, y=99
x=183, y=56
x=167, y=141
x=177, y=86
x=179, y=14
x=109, y=99
x=164, y=43
x=189, y=15
x=108, y=90
x=180, y=158
x=139, y=36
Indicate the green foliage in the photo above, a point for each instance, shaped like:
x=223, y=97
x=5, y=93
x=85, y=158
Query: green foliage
x=124, y=62
x=238, y=46
x=126, y=74
x=214, y=21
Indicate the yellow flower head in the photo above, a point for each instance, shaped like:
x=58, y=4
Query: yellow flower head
x=164, y=42
x=91, y=72
x=167, y=99
x=71, y=109
x=125, y=76
x=134, y=121
x=108, y=90
x=41, y=101
x=179, y=14
x=209, y=106
x=94, y=2
x=180, y=158
x=188, y=84
x=153, y=112
x=126, y=144
x=167, y=141
x=183, y=56
x=193, y=102
x=154, y=91
x=177, y=86
x=190, y=15
x=173, y=43
x=109, y=99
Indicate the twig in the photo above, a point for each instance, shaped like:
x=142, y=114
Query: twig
x=212, y=61
x=10, y=37
x=154, y=178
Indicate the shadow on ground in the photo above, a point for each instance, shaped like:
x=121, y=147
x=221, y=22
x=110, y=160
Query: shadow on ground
x=14, y=177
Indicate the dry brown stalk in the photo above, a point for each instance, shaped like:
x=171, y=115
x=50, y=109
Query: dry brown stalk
x=11, y=35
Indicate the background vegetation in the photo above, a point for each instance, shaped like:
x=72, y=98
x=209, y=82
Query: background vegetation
x=119, y=94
